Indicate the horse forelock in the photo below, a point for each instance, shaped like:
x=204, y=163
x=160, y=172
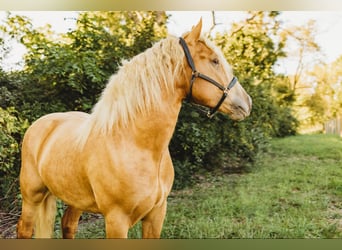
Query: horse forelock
x=137, y=87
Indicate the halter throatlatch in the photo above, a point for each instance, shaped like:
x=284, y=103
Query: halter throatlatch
x=195, y=74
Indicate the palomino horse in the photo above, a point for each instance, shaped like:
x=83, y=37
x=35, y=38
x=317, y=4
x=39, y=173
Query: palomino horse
x=115, y=161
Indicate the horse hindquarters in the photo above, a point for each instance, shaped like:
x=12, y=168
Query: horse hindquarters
x=38, y=205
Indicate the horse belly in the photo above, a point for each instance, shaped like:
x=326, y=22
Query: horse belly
x=72, y=189
x=65, y=178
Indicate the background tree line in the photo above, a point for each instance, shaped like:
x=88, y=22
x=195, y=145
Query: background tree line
x=65, y=72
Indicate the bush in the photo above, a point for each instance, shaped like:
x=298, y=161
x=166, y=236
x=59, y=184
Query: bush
x=200, y=145
x=11, y=131
x=220, y=144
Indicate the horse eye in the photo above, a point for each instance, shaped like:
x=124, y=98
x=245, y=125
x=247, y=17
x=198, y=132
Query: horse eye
x=216, y=61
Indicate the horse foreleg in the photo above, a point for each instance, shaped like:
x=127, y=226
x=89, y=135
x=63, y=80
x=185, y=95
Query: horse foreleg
x=117, y=224
x=70, y=222
x=152, y=223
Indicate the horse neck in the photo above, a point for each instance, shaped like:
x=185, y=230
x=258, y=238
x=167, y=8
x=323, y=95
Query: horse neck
x=153, y=131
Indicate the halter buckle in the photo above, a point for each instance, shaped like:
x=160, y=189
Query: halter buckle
x=210, y=115
x=195, y=74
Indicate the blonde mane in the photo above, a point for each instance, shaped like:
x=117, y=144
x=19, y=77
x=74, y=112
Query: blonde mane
x=136, y=87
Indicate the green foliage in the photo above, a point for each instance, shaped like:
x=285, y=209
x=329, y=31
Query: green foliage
x=69, y=71
x=11, y=130
x=9, y=147
x=3, y=50
x=253, y=52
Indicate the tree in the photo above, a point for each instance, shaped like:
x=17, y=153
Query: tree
x=302, y=47
x=3, y=51
x=323, y=101
x=253, y=51
x=304, y=53
x=69, y=71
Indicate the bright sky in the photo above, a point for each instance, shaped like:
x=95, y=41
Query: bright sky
x=329, y=26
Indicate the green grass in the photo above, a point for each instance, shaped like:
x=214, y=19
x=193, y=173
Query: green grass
x=293, y=191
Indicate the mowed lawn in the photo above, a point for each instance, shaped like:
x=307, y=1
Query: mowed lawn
x=293, y=191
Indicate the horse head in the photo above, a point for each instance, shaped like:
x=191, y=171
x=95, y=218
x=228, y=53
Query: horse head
x=209, y=78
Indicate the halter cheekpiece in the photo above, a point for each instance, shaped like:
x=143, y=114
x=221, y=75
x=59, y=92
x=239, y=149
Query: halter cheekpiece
x=195, y=74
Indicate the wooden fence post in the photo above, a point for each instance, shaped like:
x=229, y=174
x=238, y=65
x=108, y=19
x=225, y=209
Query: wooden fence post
x=334, y=126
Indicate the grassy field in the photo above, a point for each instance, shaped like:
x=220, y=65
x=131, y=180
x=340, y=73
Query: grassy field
x=294, y=191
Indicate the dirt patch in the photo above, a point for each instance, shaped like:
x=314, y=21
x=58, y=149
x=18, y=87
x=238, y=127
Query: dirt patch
x=8, y=222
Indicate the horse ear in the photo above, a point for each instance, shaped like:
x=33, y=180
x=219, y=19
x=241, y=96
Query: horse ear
x=195, y=32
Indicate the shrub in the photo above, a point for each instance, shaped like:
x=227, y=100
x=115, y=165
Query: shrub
x=11, y=130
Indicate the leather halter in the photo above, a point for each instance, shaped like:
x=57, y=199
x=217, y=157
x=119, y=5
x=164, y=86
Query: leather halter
x=195, y=74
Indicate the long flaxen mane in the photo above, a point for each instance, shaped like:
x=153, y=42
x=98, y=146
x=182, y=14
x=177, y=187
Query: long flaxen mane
x=136, y=87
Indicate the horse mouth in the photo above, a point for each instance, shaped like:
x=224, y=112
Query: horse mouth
x=244, y=113
x=239, y=113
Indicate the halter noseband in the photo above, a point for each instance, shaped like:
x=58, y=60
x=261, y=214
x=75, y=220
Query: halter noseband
x=195, y=74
